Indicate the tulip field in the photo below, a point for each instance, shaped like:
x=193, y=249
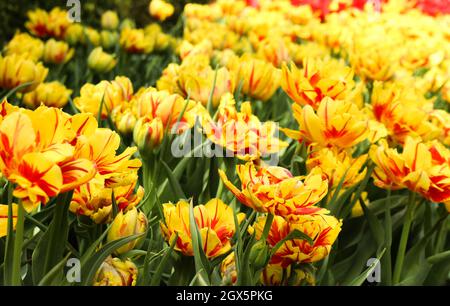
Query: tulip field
x=225, y=143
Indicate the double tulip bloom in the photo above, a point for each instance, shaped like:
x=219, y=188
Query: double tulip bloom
x=47, y=152
x=57, y=52
x=17, y=70
x=421, y=167
x=241, y=132
x=336, y=123
x=116, y=272
x=53, y=94
x=160, y=9
x=316, y=80
x=322, y=229
x=111, y=93
x=275, y=190
x=215, y=221
x=48, y=24
x=26, y=45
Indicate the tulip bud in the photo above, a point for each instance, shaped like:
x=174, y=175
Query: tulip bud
x=110, y=20
x=57, y=52
x=109, y=39
x=148, y=134
x=127, y=24
x=124, y=120
x=259, y=254
x=74, y=34
x=53, y=94
x=160, y=9
x=100, y=61
x=127, y=224
x=115, y=272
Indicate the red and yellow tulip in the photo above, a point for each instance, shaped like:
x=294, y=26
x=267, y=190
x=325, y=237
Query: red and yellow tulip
x=215, y=222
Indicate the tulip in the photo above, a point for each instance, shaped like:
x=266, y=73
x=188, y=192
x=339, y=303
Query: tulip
x=109, y=39
x=228, y=270
x=125, y=224
x=135, y=41
x=123, y=119
x=74, y=34
x=336, y=123
x=94, y=200
x=421, y=167
x=4, y=218
x=57, y=52
x=241, y=132
x=259, y=79
x=322, y=229
x=215, y=221
x=16, y=71
x=276, y=275
x=317, y=79
x=110, y=20
x=160, y=9
x=336, y=164
x=26, y=45
x=53, y=94
x=44, y=24
x=100, y=61
x=148, y=134
x=275, y=190
x=115, y=272
x=112, y=94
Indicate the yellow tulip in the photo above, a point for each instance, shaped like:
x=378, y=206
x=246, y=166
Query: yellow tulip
x=403, y=112
x=241, y=132
x=16, y=71
x=277, y=191
x=26, y=45
x=274, y=50
x=135, y=41
x=109, y=39
x=44, y=24
x=57, y=52
x=115, y=272
x=123, y=119
x=276, y=275
x=74, y=34
x=111, y=93
x=110, y=20
x=316, y=80
x=421, y=167
x=322, y=229
x=4, y=218
x=215, y=221
x=160, y=9
x=336, y=123
x=228, y=270
x=259, y=79
x=336, y=164
x=148, y=134
x=53, y=94
x=125, y=224
x=94, y=200
x=100, y=61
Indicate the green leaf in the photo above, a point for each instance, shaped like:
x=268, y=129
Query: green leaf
x=201, y=262
x=156, y=279
x=93, y=263
x=295, y=234
x=439, y=257
x=51, y=278
x=174, y=183
x=50, y=248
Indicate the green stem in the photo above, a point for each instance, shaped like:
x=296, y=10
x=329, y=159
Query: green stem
x=267, y=226
x=18, y=242
x=404, y=238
